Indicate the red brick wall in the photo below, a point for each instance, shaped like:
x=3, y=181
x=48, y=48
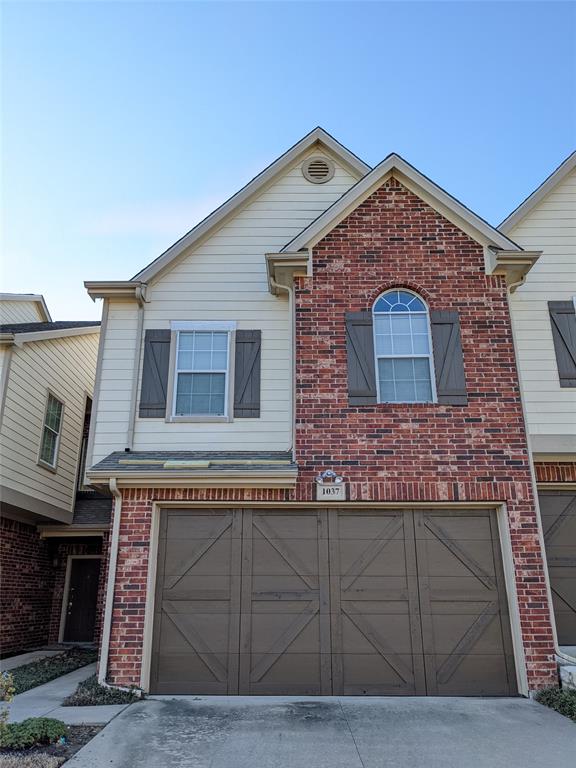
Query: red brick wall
x=26, y=580
x=398, y=453
x=556, y=472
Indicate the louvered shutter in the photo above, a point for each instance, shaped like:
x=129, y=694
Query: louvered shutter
x=360, y=351
x=563, y=321
x=155, y=374
x=448, y=358
x=247, y=374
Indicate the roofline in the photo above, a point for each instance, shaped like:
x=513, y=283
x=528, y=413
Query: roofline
x=24, y=338
x=365, y=186
x=35, y=297
x=116, y=289
x=565, y=167
x=359, y=167
x=274, y=478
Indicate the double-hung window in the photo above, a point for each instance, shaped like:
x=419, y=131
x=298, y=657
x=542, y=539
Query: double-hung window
x=51, y=430
x=403, y=348
x=202, y=370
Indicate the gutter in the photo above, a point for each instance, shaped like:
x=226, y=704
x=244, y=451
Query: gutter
x=110, y=584
x=292, y=321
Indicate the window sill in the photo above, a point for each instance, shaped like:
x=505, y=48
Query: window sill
x=49, y=467
x=197, y=419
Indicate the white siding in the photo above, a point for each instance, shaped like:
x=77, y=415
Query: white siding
x=223, y=278
x=550, y=227
x=65, y=366
x=13, y=311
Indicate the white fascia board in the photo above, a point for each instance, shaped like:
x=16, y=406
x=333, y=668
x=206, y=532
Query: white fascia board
x=195, y=479
x=37, y=298
x=24, y=338
x=422, y=186
x=539, y=194
x=217, y=217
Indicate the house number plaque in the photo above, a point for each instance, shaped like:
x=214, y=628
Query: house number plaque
x=330, y=486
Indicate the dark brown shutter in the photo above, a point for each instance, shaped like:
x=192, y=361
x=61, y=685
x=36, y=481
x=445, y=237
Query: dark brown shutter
x=563, y=320
x=155, y=374
x=247, y=375
x=361, y=367
x=448, y=359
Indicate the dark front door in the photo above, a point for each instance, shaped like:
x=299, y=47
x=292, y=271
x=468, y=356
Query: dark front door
x=329, y=601
x=82, y=597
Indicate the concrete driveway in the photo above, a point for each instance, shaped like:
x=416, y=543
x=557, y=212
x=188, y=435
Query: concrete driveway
x=330, y=732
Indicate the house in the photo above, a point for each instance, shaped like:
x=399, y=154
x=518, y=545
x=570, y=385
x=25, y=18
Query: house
x=545, y=329
x=51, y=526
x=309, y=414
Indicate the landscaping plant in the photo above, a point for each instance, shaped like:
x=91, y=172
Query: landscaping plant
x=563, y=700
x=90, y=693
x=32, y=732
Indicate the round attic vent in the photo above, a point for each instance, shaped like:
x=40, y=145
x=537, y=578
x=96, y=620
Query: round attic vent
x=318, y=169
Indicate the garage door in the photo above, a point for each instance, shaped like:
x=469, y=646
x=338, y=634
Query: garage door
x=558, y=510
x=363, y=602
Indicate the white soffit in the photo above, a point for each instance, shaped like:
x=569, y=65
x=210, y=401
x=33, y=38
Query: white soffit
x=318, y=136
x=539, y=193
x=416, y=182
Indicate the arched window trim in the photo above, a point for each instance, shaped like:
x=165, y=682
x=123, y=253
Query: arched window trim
x=429, y=355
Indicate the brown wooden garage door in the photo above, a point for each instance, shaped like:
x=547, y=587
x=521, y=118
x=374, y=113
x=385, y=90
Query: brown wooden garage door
x=361, y=602
x=558, y=510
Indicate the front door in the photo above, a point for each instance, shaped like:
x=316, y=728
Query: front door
x=81, y=601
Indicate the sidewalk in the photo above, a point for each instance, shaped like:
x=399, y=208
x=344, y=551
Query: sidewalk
x=45, y=701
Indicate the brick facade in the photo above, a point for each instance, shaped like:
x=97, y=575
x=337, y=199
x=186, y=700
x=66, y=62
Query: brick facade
x=555, y=472
x=26, y=579
x=32, y=578
x=393, y=453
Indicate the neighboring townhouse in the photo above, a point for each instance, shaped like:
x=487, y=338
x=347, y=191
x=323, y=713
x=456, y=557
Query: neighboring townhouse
x=543, y=312
x=309, y=415
x=52, y=526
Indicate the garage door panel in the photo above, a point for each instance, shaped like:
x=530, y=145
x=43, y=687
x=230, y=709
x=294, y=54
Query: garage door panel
x=375, y=633
x=282, y=556
x=470, y=526
x=379, y=603
x=372, y=674
x=463, y=589
x=480, y=674
x=204, y=524
x=464, y=558
x=295, y=633
x=374, y=525
x=372, y=558
x=558, y=511
x=284, y=525
x=197, y=557
x=470, y=634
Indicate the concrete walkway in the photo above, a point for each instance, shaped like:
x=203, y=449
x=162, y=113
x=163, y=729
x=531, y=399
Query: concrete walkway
x=332, y=732
x=26, y=658
x=45, y=701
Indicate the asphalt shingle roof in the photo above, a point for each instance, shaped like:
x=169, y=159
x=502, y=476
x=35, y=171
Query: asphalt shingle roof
x=60, y=325
x=172, y=461
x=92, y=509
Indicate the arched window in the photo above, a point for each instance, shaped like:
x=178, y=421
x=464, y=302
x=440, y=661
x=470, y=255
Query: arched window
x=403, y=347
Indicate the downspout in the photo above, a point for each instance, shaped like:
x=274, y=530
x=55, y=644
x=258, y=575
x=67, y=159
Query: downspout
x=110, y=584
x=140, y=295
x=292, y=320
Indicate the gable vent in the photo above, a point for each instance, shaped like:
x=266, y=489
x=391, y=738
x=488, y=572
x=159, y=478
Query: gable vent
x=318, y=169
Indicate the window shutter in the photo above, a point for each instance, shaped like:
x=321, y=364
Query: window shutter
x=155, y=374
x=247, y=374
x=361, y=366
x=448, y=358
x=563, y=321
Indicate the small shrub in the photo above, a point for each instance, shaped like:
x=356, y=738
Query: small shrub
x=6, y=695
x=90, y=693
x=563, y=700
x=44, y=670
x=35, y=760
x=32, y=732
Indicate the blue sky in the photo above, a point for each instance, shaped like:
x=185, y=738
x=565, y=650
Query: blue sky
x=125, y=123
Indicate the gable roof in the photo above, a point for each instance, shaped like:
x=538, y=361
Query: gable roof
x=60, y=325
x=34, y=297
x=539, y=193
x=316, y=136
x=418, y=183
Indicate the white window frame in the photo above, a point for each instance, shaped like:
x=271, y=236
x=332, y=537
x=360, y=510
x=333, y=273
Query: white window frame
x=40, y=461
x=430, y=354
x=177, y=326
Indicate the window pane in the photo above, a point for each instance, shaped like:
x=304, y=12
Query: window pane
x=48, y=448
x=53, y=413
x=185, y=360
x=402, y=344
x=419, y=323
x=423, y=391
x=203, y=351
x=403, y=369
x=186, y=341
x=219, y=360
x=400, y=324
x=420, y=344
x=405, y=391
x=200, y=394
x=220, y=341
x=202, y=361
x=404, y=380
x=203, y=341
x=422, y=369
x=383, y=345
